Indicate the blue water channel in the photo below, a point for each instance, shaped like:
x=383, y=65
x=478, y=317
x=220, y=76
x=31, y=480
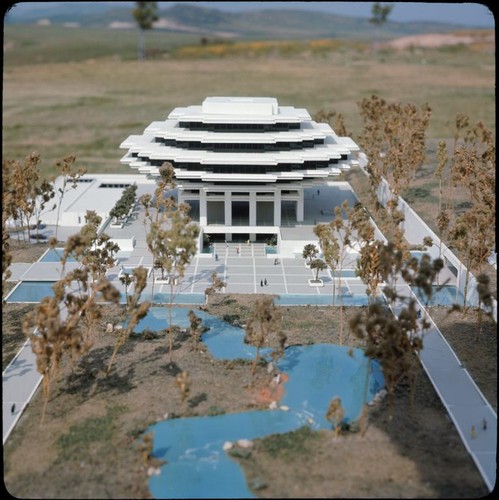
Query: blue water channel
x=30, y=291
x=55, y=255
x=347, y=299
x=197, y=466
x=441, y=296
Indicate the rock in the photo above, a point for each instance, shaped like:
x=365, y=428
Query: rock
x=153, y=471
x=245, y=443
x=109, y=328
x=270, y=367
x=284, y=408
x=379, y=396
x=258, y=483
x=227, y=446
x=273, y=405
x=118, y=327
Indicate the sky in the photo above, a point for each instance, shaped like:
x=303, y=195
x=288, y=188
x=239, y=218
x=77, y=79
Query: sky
x=466, y=13
x=474, y=14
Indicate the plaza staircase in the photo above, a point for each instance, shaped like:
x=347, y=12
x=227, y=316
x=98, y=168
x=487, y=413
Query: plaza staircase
x=232, y=249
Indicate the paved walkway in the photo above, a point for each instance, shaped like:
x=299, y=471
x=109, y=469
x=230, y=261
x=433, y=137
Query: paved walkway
x=466, y=405
x=19, y=382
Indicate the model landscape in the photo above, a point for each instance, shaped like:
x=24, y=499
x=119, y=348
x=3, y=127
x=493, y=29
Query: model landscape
x=252, y=299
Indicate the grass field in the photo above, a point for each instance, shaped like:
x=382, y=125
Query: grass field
x=82, y=92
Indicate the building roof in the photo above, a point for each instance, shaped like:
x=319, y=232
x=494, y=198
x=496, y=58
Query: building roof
x=240, y=110
x=240, y=105
x=97, y=192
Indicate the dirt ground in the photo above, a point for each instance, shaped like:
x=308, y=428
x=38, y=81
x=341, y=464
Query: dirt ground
x=442, y=39
x=88, y=446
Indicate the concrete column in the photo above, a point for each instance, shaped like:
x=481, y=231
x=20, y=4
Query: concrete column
x=203, y=208
x=300, y=206
x=252, y=208
x=277, y=208
x=252, y=213
x=180, y=196
x=228, y=208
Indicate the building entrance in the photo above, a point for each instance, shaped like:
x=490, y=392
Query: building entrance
x=240, y=213
x=288, y=213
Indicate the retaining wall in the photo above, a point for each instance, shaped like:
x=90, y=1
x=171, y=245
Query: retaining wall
x=415, y=229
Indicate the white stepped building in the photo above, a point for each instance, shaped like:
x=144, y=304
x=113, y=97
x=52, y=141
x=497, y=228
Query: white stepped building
x=242, y=163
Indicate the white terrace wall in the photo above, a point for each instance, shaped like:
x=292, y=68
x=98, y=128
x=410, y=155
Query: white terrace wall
x=415, y=229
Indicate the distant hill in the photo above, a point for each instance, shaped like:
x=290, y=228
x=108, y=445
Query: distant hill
x=263, y=24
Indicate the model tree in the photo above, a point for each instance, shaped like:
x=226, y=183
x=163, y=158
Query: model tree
x=336, y=237
x=264, y=321
x=44, y=192
x=368, y=266
x=317, y=265
x=70, y=178
x=394, y=336
x=156, y=209
x=183, y=384
x=145, y=15
x=216, y=285
x=338, y=125
x=335, y=414
x=135, y=309
x=25, y=192
x=380, y=15
x=101, y=254
x=330, y=249
x=473, y=168
x=54, y=326
x=23, y=178
x=394, y=141
x=171, y=237
x=6, y=255
x=125, y=203
x=196, y=329
x=443, y=217
x=309, y=252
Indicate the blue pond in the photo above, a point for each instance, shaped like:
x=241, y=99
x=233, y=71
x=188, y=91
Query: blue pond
x=31, y=291
x=197, y=466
